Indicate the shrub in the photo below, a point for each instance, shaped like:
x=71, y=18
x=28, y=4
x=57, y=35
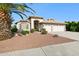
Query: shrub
x=43, y=31
x=36, y=29
x=55, y=35
x=19, y=34
x=25, y=32
x=14, y=29
x=32, y=30
x=72, y=26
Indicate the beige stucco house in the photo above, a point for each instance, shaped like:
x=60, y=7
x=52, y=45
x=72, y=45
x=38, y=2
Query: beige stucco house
x=35, y=22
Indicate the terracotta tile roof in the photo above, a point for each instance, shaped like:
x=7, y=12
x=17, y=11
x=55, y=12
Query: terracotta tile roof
x=35, y=17
x=23, y=21
x=51, y=22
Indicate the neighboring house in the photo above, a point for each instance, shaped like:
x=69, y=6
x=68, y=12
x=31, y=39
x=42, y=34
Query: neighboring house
x=34, y=22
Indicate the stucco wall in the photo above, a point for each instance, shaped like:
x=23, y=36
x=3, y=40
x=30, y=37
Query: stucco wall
x=18, y=25
x=23, y=26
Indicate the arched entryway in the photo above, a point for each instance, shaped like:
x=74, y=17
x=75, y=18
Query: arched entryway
x=36, y=24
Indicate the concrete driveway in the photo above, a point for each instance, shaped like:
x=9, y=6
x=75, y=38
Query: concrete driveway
x=72, y=35
x=66, y=49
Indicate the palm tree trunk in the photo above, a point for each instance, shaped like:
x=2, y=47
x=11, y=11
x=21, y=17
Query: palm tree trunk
x=5, y=25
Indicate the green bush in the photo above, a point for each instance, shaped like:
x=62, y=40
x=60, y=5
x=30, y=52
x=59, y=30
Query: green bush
x=32, y=30
x=43, y=31
x=72, y=26
x=36, y=29
x=14, y=29
x=25, y=32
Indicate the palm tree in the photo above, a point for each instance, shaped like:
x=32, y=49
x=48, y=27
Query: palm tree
x=6, y=10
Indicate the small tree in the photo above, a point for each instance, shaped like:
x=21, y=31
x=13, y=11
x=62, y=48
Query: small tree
x=6, y=11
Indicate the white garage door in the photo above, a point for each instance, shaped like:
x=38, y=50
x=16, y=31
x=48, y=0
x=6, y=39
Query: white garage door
x=59, y=28
x=54, y=28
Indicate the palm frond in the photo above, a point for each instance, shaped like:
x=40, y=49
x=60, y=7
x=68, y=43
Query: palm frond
x=29, y=7
x=16, y=11
x=18, y=14
x=17, y=8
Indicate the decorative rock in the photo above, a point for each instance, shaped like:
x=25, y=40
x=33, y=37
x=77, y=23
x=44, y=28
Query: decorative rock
x=16, y=34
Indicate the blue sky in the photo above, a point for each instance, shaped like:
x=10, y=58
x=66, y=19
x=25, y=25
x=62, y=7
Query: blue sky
x=59, y=11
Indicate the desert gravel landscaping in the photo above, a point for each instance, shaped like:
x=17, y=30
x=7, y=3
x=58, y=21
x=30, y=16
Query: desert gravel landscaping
x=33, y=40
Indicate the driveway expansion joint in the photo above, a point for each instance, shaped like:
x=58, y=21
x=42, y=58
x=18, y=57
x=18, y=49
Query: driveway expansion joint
x=44, y=51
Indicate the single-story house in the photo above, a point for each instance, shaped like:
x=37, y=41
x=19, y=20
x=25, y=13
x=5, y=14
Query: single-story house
x=35, y=22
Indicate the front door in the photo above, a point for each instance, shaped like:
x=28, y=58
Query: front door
x=36, y=24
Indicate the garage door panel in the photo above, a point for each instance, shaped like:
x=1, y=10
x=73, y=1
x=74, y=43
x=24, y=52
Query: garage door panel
x=54, y=28
x=48, y=28
x=59, y=28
